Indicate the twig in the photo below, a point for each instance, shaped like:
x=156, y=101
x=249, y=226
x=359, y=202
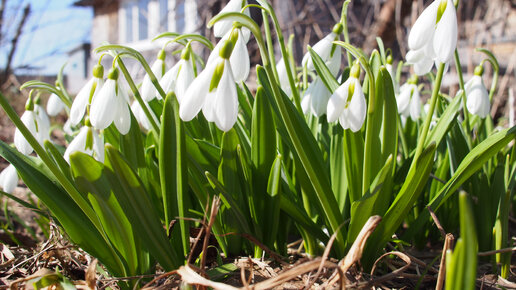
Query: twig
x=436, y=221
x=448, y=240
x=489, y=253
x=214, y=210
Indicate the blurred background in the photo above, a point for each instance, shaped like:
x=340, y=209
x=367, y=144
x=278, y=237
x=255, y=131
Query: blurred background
x=38, y=37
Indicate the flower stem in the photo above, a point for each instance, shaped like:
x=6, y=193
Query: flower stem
x=150, y=116
x=458, y=67
x=428, y=120
x=344, y=21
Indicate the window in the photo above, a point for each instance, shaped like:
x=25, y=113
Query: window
x=180, y=16
x=143, y=16
x=163, y=15
x=128, y=9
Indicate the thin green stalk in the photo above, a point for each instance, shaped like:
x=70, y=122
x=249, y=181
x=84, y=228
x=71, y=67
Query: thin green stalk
x=369, y=135
x=463, y=96
x=150, y=116
x=428, y=120
x=285, y=54
x=344, y=21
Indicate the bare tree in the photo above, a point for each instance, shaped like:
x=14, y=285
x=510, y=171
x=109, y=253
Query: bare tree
x=14, y=40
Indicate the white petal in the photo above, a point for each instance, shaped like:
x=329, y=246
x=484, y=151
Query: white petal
x=424, y=27
x=222, y=27
x=168, y=81
x=28, y=118
x=283, y=77
x=123, y=117
x=477, y=100
x=196, y=93
x=101, y=111
x=415, y=104
x=77, y=144
x=54, y=105
x=148, y=90
x=185, y=77
x=239, y=59
x=322, y=48
x=140, y=115
x=422, y=63
x=306, y=101
x=98, y=146
x=356, y=111
x=403, y=99
x=445, y=37
x=9, y=179
x=226, y=100
x=338, y=101
x=208, y=109
x=319, y=97
x=82, y=99
x=335, y=61
x=43, y=123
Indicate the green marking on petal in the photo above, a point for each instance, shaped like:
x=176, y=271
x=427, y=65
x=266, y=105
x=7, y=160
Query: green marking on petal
x=217, y=75
x=441, y=9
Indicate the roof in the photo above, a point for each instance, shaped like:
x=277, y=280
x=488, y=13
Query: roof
x=85, y=3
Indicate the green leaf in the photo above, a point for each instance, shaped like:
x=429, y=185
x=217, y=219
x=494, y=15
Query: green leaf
x=323, y=72
x=173, y=170
x=364, y=208
x=304, y=146
x=90, y=177
x=76, y=224
x=475, y=159
x=131, y=145
x=182, y=38
x=139, y=210
x=446, y=121
x=397, y=212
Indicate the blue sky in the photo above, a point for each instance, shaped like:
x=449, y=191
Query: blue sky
x=54, y=27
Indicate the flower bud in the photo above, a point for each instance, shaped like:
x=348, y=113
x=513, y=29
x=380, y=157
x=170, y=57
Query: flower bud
x=161, y=55
x=227, y=48
x=355, y=71
x=217, y=75
x=29, y=105
x=185, y=54
x=98, y=71
x=413, y=80
x=338, y=28
x=113, y=74
x=479, y=70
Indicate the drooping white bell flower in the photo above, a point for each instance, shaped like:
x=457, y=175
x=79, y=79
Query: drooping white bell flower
x=409, y=101
x=239, y=59
x=88, y=141
x=185, y=74
x=329, y=52
x=9, y=179
x=477, y=97
x=111, y=105
x=36, y=120
x=86, y=95
x=315, y=99
x=54, y=105
x=148, y=90
x=433, y=37
x=214, y=91
x=348, y=104
x=392, y=74
x=222, y=27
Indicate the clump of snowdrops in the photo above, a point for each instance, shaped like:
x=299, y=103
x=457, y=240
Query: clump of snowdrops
x=314, y=151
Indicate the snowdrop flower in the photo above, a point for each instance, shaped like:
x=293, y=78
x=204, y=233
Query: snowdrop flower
x=9, y=179
x=180, y=76
x=222, y=27
x=409, y=101
x=214, y=91
x=87, y=141
x=147, y=90
x=392, y=74
x=54, y=105
x=111, y=105
x=239, y=59
x=36, y=120
x=477, y=97
x=328, y=52
x=86, y=95
x=315, y=99
x=348, y=104
x=433, y=36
